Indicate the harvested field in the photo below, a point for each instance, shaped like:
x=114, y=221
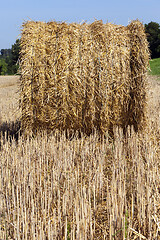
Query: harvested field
x=154, y=96
x=56, y=188
x=9, y=98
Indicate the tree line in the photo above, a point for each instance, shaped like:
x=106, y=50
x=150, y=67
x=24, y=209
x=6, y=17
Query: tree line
x=9, y=57
x=152, y=30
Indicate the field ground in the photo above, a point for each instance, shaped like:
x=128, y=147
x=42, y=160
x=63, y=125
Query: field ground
x=9, y=96
x=52, y=188
x=154, y=95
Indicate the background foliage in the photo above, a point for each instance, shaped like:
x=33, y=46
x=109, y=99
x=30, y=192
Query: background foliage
x=153, y=36
x=9, y=59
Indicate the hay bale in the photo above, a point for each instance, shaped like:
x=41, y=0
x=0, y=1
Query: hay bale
x=83, y=76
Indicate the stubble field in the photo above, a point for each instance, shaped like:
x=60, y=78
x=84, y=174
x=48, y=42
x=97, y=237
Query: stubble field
x=85, y=188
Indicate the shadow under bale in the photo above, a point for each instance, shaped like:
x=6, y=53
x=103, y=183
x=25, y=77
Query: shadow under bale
x=10, y=131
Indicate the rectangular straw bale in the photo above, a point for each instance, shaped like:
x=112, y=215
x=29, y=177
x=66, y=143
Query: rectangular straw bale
x=83, y=76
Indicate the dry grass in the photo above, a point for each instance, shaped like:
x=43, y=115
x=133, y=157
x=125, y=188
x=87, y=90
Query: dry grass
x=56, y=188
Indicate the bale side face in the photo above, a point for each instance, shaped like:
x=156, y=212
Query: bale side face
x=82, y=76
x=139, y=63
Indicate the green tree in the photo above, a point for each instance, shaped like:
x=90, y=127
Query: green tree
x=153, y=35
x=10, y=57
x=15, y=51
x=5, y=53
x=3, y=67
x=13, y=61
